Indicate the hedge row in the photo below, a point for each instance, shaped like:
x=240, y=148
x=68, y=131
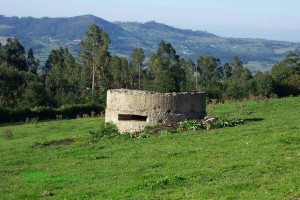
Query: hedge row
x=48, y=113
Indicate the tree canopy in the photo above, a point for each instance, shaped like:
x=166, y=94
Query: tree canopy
x=66, y=80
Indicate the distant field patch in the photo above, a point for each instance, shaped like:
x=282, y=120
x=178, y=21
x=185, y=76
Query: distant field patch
x=3, y=26
x=283, y=50
x=258, y=66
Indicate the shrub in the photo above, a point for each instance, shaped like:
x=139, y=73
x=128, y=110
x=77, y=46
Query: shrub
x=189, y=125
x=108, y=129
x=128, y=135
x=7, y=134
x=207, y=123
x=166, y=132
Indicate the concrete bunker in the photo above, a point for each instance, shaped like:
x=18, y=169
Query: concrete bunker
x=132, y=110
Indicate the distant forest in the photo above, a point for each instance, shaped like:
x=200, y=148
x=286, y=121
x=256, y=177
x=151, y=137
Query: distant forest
x=64, y=80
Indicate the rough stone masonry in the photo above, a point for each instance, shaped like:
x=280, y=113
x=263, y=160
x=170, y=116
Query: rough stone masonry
x=132, y=110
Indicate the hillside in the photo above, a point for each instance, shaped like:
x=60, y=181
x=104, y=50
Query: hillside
x=256, y=160
x=44, y=34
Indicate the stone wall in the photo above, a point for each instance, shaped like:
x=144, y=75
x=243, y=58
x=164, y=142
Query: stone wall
x=132, y=110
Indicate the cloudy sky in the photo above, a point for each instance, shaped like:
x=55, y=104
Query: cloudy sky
x=268, y=19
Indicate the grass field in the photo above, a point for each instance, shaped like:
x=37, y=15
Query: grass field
x=257, y=160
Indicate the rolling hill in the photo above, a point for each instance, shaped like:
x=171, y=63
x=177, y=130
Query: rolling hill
x=257, y=160
x=44, y=34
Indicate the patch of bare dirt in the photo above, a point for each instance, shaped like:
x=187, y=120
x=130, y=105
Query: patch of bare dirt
x=169, y=127
x=54, y=143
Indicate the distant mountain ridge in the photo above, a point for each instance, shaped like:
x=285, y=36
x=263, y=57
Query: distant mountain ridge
x=44, y=34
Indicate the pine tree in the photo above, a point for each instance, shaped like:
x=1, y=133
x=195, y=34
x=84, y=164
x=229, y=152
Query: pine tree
x=32, y=63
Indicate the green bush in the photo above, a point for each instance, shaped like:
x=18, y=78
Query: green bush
x=7, y=134
x=189, y=125
x=193, y=125
x=220, y=123
x=108, y=129
x=128, y=135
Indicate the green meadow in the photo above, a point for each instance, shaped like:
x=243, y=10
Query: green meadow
x=259, y=159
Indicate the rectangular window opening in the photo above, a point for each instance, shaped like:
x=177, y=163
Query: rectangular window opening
x=128, y=117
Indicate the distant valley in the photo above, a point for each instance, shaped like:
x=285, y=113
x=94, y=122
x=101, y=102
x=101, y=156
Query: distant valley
x=44, y=34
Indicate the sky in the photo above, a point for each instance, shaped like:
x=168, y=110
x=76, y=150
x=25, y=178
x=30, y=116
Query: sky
x=266, y=19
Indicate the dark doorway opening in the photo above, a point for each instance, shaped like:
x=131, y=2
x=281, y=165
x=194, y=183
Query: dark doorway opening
x=128, y=117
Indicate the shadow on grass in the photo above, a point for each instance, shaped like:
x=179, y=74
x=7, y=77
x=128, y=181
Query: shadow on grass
x=3, y=124
x=54, y=143
x=249, y=120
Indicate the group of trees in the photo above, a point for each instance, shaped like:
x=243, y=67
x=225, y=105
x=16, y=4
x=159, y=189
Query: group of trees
x=63, y=79
x=66, y=80
x=234, y=81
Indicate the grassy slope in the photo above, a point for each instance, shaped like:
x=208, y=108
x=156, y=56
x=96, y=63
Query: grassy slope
x=258, y=160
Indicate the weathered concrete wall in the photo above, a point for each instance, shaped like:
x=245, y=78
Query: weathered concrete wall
x=132, y=110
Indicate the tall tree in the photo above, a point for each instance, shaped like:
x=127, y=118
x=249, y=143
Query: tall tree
x=15, y=54
x=236, y=65
x=239, y=82
x=210, y=71
x=119, y=73
x=17, y=86
x=94, y=57
x=32, y=63
x=227, y=69
x=137, y=59
x=115, y=72
x=286, y=75
x=2, y=54
x=63, y=78
x=189, y=70
x=55, y=58
x=208, y=67
x=263, y=83
x=12, y=85
x=125, y=73
x=164, y=73
x=34, y=95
